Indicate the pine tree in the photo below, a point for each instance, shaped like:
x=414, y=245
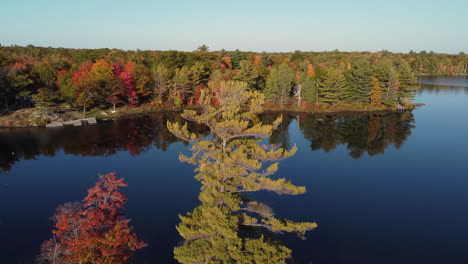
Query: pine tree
x=247, y=74
x=200, y=74
x=332, y=88
x=309, y=90
x=391, y=95
x=381, y=71
x=230, y=163
x=279, y=84
x=359, y=81
x=407, y=80
x=182, y=82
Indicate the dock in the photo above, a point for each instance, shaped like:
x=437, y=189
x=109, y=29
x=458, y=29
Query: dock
x=77, y=122
x=401, y=108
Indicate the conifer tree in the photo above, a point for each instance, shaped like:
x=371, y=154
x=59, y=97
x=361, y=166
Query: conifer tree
x=381, y=71
x=279, y=84
x=246, y=74
x=407, y=80
x=391, y=95
x=230, y=163
x=332, y=88
x=200, y=74
x=309, y=90
x=182, y=82
x=359, y=81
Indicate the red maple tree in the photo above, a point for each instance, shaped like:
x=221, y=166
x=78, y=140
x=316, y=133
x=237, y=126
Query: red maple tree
x=94, y=231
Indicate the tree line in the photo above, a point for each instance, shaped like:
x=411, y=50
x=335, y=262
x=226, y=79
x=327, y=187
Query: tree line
x=175, y=79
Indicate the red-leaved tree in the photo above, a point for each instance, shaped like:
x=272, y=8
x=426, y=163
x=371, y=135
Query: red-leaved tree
x=94, y=231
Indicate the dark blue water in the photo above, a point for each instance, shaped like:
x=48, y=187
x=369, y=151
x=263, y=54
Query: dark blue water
x=384, y=188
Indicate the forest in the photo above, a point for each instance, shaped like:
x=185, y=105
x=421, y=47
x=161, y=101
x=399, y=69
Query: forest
x=105, y=78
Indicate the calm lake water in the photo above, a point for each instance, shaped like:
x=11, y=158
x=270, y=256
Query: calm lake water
x=383, y=188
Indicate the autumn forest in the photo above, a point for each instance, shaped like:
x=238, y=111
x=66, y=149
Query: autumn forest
x=305, y=81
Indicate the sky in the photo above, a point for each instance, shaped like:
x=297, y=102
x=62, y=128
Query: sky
x=247, y=25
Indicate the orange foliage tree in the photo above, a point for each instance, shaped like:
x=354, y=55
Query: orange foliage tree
x=376, y=93
x=94, y=231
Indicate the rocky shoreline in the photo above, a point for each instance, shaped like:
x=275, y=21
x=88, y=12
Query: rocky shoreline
x=40, y=116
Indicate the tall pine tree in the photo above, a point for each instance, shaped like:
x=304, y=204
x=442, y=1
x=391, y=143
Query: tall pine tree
x=279, y=84
x=332, y=88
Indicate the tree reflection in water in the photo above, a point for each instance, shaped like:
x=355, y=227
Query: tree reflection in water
x=228, y=227
x=371, y=133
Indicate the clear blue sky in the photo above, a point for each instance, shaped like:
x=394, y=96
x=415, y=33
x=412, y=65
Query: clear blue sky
x=257, y=25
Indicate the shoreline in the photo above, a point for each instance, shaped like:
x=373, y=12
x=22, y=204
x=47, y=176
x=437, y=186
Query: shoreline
x=31, y=117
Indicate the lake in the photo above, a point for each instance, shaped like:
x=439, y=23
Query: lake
x=383, y=188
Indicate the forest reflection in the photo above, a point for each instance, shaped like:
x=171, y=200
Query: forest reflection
x=362, y=133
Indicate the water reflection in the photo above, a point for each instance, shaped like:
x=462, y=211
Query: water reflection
x=372, y=133
x=135, y=135
x=362, y=133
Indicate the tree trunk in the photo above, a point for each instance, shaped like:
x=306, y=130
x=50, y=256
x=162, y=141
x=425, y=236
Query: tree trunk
x=114, y=107
x=282, y=97
x=299, y=94
x=6, y=103
x=84, y=111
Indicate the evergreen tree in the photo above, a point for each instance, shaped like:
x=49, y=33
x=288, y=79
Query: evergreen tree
x=332, y=88
x=309, y=90
x=408, y=84
x=391, y=95
x=381, y=71
x=230, y=163
x=182, y=82
x=247, y=74
x=200, y=74
x=279, y=84
x=359, y=81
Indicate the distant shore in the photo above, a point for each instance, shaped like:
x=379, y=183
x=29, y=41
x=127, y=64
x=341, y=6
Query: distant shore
x=40, y=116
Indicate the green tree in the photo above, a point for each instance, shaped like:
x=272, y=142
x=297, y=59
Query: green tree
x=391, y=94
x=359, y=81
x=200, y=73
x=182, y=81
x=408, y=84
x=67, y=88
x=230, y=163
x=309, y=90
x=333, y=87
x=203, y=48
x=382, y=72
x=247, y=73
x=279, y=84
